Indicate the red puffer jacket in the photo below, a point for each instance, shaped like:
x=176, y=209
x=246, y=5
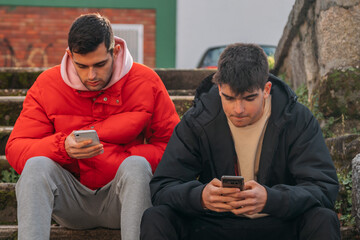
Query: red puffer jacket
x=135, y=116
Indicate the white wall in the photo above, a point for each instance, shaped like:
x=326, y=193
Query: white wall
x=207, y=23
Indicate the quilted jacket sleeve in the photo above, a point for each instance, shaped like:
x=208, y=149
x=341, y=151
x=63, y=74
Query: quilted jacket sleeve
x=33, y=134
x=158, y=133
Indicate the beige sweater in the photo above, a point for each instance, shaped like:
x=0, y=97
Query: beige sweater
x=248, y=142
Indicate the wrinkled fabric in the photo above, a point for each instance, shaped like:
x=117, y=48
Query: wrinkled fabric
x=295, y=165
x=134, y=116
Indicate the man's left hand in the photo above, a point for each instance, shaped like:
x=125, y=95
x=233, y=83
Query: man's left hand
x=253, y=199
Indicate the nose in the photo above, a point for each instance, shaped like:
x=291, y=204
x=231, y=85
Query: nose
x=239, y=107
x=91, y=74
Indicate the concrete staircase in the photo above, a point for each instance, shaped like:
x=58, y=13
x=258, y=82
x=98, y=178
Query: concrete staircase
x=14, y=83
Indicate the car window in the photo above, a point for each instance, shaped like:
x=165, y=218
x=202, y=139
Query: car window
x=270, y=51
x=211, y=56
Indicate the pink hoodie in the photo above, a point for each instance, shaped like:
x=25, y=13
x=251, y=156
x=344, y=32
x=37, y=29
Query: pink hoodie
x=122, y=66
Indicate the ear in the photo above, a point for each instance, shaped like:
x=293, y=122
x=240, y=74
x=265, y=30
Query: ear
x=116, y=50
x=267, y=89
x=219, y=87
x=69, y=53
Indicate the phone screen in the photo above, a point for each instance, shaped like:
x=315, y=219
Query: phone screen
x=83, y=135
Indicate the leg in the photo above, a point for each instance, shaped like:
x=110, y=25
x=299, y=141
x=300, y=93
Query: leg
x=319, y=223
x=233, y=227
x=131, y=185
x=35, y=193
x=45, y=189
x=161, y=222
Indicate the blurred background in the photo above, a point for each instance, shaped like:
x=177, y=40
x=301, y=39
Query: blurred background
x=160, y=33
x=202, y=24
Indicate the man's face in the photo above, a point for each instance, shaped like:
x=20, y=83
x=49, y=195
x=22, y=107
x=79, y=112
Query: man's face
x=246, y=108
x=95, y=68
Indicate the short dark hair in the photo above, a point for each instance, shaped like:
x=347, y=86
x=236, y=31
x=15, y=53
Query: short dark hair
x=244, y=67
x=88, y=31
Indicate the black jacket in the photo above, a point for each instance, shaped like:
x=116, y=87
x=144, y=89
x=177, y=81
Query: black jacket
x=295, y=165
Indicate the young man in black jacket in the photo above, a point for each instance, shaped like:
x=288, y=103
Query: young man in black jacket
x=248, y=123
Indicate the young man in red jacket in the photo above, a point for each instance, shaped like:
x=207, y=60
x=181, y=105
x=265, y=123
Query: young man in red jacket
x=96, y=87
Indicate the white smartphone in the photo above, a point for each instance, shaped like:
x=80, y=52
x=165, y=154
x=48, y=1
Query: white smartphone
x=82, y=135
x=233, y=182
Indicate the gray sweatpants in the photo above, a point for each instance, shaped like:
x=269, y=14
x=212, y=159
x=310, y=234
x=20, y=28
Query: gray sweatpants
x=46, y=190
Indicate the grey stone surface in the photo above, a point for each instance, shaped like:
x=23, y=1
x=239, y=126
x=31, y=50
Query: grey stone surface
x=338, y=34
x=321, y=36
x=343, y=149
x=356, y=189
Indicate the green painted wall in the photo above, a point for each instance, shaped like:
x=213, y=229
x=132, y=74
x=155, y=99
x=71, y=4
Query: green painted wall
x=165, y=19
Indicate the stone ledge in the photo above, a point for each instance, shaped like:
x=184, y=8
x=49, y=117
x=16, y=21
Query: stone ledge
x=20, y=99
x=179, y=79
x=9, y=232
x=11, y=106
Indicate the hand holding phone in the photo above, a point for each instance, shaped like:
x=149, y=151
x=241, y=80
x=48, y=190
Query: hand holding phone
x=75, y=146
x=233, y=182
x=83, y=135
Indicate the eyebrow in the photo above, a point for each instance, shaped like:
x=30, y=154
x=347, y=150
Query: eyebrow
x=251, y=95
x=98, y=63
x=246, y=97
x=225, y=95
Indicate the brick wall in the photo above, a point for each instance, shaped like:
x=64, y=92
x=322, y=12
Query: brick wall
x=37, y=36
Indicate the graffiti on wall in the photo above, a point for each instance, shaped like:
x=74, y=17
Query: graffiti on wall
x=8, y=55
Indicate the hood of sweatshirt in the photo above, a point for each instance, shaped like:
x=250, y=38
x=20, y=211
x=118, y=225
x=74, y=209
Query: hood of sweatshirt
x=122, y=65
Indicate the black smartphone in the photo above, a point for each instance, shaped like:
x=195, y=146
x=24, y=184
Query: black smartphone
x=233, y=182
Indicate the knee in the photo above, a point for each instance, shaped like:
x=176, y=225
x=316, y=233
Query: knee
x=38, y=165
x=147, y=218
x=320, y=222
x=162, y=222
x=134, y=165
x=35, y=173
x=134, y=171
x=321, y=215
x=157, y=216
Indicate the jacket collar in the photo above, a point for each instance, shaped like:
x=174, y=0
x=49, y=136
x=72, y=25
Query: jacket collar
x=283, y=100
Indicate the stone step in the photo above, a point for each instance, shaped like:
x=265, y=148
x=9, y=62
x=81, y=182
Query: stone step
x=13, y=92
x=11, y=106
x=9, y=232
x=7, y=203
x=22, y=92
x=8, y=216
x=4, y=164
x=4, y=135
x=175, y=79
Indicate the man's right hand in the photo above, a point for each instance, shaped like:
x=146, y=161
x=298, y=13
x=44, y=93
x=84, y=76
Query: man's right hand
x=216, y=198
x=79, y=150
